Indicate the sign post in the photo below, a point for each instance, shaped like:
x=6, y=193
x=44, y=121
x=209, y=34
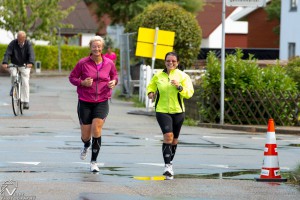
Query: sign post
x=246, y=3
x=155, y=44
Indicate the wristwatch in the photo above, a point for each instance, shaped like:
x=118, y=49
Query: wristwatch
x=180, y=88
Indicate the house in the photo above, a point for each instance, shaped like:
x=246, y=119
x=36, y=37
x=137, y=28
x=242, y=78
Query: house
x=84, y=26
x=245, y=27
x=289, y=30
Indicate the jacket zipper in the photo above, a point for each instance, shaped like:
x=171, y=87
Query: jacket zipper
x=97, y=84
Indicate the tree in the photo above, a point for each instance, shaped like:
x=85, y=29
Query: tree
x=171, y=17
x=122, y=11
x=273, y=10
x=40, y=19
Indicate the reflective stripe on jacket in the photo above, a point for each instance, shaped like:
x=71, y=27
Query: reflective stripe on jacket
x=169, y=99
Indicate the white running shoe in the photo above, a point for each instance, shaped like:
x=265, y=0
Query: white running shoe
x=168, y=171
x=94, y=167
x=83, y=153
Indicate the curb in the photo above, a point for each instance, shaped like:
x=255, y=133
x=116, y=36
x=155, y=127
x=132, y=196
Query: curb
x=253, y=129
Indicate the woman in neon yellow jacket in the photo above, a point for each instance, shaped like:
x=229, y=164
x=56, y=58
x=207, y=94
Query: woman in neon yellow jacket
x=169, y=87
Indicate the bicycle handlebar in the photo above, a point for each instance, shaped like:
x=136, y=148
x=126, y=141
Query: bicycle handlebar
x=13, y=65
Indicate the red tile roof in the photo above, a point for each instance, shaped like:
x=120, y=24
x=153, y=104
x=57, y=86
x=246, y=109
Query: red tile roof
x=211, y=16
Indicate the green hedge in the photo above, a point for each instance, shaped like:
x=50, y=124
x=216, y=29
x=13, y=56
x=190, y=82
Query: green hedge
x=48, y=55
x=242, y=76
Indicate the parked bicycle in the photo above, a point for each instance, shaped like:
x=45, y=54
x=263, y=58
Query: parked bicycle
x=16, y=92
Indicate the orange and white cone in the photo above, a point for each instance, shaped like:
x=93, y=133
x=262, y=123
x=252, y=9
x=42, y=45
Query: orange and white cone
x=270, y=171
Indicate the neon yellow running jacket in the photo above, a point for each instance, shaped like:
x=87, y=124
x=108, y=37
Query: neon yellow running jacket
x=169, y=99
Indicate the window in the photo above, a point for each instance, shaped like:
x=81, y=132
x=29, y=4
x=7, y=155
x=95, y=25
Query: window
x=293, y=5
x=292, y=50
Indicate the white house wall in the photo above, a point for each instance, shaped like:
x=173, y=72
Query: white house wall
x=231, y=27
x=5, y=37
x=86, y=37
x=289, y=29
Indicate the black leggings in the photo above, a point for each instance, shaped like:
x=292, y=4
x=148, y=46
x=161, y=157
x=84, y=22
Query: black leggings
x=88, y=111
x=170, y=122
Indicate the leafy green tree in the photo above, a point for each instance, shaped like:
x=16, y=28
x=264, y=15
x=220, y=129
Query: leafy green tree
x=40, y=19
x=171, y=17
x=122, y=11
x=273, y=10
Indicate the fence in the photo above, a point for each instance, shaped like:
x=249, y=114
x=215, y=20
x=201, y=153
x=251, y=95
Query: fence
x=127, y=50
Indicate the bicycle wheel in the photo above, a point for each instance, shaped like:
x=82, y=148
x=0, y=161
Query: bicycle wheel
x=15, y=100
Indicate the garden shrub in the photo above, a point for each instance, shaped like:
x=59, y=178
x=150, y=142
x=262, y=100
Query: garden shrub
x=171, y=17
x=242, y=76
x=293, y=70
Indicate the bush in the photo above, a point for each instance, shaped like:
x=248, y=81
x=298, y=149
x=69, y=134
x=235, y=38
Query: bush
x=171, y=17
x=246, y=74
x=70, y=55
x=244, y=79
x=48, y=55
x=293, y=70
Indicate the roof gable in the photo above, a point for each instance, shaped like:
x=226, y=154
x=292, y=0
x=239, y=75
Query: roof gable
x=80, y=18
x=211, y=16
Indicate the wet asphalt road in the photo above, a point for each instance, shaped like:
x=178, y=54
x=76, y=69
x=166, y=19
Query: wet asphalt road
x=40, y=152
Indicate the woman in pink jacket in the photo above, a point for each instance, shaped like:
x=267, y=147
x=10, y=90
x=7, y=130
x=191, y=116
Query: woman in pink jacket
x=95, y=76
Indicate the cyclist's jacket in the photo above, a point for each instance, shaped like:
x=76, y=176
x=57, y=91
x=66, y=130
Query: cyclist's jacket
x=19, y=55
x=168, y=98
x=99, y=91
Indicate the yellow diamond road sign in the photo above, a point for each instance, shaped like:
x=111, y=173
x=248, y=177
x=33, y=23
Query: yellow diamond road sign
x=145, y=44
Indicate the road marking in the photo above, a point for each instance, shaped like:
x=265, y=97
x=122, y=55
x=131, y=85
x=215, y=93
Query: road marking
x=153, y=164
x=257, y=138
x=218, y=166
x=150, y=178
x=26, y=163
x=65, y=136
x=87, y=163
x=214, y=137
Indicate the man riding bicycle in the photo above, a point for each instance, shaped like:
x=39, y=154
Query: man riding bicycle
x=20, y=52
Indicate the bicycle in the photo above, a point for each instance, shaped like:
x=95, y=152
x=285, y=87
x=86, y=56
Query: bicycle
x=16, y=92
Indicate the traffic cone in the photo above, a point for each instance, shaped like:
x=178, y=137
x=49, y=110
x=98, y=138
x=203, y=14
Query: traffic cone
x=270, y=171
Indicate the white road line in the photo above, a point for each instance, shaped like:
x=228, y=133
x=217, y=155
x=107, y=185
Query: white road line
x=26, y=163
x=258, y=138
x=218, y=166
x=154, y=164
x=87, y=163
x=214, y=137
x=65, y=136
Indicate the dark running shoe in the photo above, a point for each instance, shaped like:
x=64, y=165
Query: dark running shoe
x=25, y=105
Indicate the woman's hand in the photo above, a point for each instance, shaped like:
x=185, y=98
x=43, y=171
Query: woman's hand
x=111, y=84
x=87, y=82
x=151, y=96
x=175, y=83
